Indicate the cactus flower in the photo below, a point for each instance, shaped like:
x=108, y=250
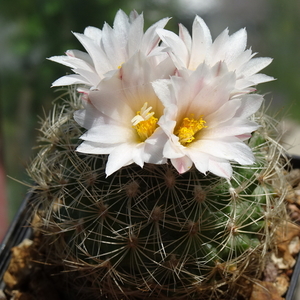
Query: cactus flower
x=205, y=125
x=109, y=48
x=189, y=51
x=121, y=117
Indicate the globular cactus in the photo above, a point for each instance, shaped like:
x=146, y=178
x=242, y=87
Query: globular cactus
x=160, y=230
x=152, y=232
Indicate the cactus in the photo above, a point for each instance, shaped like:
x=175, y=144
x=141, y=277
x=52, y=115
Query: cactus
x=151, y=232
x=156, y=226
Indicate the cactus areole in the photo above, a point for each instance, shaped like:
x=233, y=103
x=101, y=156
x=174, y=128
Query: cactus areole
x=163, y=178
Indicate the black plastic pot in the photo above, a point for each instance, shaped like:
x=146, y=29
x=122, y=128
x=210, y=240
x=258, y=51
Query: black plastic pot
x=20, y=229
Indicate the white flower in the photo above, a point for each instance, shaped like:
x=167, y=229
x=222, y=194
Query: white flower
x=190, y=51
x=109, y=48
x=205, y=126
x=121, y=117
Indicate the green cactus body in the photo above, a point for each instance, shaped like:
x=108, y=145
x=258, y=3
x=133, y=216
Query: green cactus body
x=151, y=232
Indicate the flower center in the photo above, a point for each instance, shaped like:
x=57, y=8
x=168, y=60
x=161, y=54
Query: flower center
x=188, y=128
x=144, y=122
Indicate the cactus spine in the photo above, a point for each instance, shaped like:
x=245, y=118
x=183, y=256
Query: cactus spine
x=150, y=232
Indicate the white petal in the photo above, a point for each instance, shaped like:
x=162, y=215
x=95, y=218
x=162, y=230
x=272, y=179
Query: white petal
x=162, y=90
x=71, y=62
x=220, y=168
x=177, y=46
x=102, y=65
x=235, y=45
x=228, y=129
x=226, y=112
x=88, y=117
x=255, y=65
x=91, y=78
x=110, y=100
x=250, y=104
x=216, y=52
x=260, y=78
x=80, y=55
x=151, y=39
x=135, y=35
x=109, y=134
x=121, y=26
x=69, y=80
x=201, y=42
x=173, y=149
x=200, y=159
x=94, y=148
x=228, y=149
x=120, y=156
x=153, y=148
x=185, y=36
x=93, y=33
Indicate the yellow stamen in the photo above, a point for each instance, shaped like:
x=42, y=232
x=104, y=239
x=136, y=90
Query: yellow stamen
x=144, y=122
x=188, y=128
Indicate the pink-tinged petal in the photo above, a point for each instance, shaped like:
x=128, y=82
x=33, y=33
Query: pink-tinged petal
x=244, y=137
x=133, y=15
x=220, y=168
x=182, y=164
x=69, y=80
